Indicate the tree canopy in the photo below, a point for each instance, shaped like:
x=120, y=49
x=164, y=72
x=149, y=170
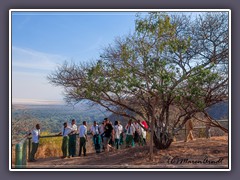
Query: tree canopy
x=171, y=61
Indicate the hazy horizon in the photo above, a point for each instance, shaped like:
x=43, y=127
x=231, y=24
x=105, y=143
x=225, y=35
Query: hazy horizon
x=37, y=101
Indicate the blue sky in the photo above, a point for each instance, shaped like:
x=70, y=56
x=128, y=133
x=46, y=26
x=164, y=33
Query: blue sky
x=43, y=40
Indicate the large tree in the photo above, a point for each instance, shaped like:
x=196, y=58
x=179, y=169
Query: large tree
x=171, y=62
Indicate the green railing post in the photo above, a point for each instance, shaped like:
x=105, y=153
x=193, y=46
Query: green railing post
x=24, y=153
x=21, y=154
x=18, y=156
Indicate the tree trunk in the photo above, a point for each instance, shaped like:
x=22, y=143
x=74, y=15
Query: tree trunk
x=151, y=139
x=162, y=142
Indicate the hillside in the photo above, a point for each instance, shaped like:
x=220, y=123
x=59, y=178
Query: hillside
x=219, y=111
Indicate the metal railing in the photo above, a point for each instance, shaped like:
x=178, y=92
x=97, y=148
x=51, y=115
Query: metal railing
x=23, y=150
x=21, y=154
x=200, y=131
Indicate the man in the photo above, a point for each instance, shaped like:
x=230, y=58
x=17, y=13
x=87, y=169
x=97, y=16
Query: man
x=140, y=131
x=96, y=137
x=117, y=132
x=83, y=138
x=144, y=132
x=72, y=139
x=101, y=131
x=121, y=134
x=130, y=130
x=137, y=133
x=65, y=146
x=108, y=133
x=189, y=131
x=35, y=142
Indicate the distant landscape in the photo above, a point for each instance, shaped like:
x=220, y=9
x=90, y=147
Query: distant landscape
x=51, y=117
x=219, y=111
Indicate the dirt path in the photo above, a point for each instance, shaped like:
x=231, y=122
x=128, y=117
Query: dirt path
x=200, y=153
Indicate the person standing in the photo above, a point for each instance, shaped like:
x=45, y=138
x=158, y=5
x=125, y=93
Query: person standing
x=65, y=146
x=140, y=131
x=35, y=142
x=130, y=130
x=137, y=132
x=117, y=133
x=72, y=139
x=189, y=131
x=83, y=138
x=144, y=134
x=121, y=134
x=101, y=131
x=108, y=134
x=96, y=137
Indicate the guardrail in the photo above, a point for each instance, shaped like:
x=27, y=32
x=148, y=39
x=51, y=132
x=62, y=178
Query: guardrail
x=21, y=154
x=23, y=150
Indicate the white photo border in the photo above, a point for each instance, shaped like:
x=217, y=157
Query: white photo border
x=115, y=10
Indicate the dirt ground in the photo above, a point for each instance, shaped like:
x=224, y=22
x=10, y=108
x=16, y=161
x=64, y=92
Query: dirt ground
x=200, y=153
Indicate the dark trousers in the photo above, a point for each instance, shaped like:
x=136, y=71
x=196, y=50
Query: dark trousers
x=65, y=146
x=121, y=138
x=102, y=143
x=72, y=145
x=82, y=146
x=144, y=141
x=117, y=143
x=96, y=141
x=136, y=137
x=34, y=150
x=129, y=141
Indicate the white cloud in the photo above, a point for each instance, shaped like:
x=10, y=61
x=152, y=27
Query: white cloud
x=35, y=60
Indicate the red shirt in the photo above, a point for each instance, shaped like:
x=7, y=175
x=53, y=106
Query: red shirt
x=145, y=124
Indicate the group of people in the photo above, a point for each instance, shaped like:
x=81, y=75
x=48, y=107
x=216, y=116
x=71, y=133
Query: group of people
x=105, y=137
x=109, y=136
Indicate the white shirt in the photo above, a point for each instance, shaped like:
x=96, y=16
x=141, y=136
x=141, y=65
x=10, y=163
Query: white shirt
x=137, y=128
x=74, y=128
x=82, y=131
x=130, y=129
x=101, y=128
x=35, y=135
x=144, y=133
x=118, y=131
x=94, y=129
x=66, y=131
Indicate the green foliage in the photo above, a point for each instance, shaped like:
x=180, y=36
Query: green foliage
x=165, y=62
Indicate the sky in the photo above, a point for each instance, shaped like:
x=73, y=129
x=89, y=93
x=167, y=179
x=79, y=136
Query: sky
x=41, y=41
